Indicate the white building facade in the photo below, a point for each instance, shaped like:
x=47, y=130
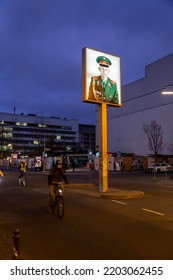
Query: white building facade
x=143, y=102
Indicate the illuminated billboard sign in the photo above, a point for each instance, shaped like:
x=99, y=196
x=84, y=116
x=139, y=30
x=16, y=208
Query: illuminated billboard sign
x=100, y=78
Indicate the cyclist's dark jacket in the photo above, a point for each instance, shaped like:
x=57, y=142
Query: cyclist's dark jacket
x=57, y=174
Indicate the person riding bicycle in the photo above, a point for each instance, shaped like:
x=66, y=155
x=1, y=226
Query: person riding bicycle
x=56, y=174
x=1, y=174
x=22, y=168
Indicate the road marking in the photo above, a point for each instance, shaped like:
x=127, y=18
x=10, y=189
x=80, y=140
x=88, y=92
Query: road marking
x=119, y=202
x=154, y=212
x=166, y=183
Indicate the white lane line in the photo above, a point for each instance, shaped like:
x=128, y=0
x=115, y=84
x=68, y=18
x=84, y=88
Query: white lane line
x=119, y=202
x=154, y=212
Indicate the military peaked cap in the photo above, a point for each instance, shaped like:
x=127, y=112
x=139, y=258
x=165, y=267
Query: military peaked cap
x=103, y=61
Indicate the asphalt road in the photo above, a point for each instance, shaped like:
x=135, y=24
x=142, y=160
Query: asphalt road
x=92, y=227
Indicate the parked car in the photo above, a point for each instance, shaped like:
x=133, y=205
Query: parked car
x=159, y=167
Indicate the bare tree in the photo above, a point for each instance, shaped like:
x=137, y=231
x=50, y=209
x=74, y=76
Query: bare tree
x=155, y=137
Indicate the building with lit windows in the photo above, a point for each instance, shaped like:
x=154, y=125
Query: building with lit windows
x=31, y=135
x=143, y=102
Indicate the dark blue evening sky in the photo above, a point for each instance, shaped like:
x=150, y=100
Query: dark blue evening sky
x=41, y=43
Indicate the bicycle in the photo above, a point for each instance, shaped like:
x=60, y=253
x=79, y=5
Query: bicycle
x=22, y=180
x=59, y=199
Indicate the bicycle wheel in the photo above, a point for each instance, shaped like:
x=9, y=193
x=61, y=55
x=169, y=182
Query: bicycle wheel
x=60, y=206
x=24, y=182
x=20, y=182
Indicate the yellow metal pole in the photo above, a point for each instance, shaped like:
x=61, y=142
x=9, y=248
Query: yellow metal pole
x=102, y=135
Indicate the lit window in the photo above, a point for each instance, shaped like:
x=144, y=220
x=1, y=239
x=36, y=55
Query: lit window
x=35, y=142
x=6, y=128
x=6, y=147
x=7, y=135
x=41, y=125
x=23, y=124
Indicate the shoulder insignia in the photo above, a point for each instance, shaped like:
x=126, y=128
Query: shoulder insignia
x=112, y=82
x=95, y=78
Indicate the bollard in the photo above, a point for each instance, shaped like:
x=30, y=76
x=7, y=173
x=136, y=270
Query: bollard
x=16, y=242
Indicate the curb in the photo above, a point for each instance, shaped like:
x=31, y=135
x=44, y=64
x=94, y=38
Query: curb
x=92, y=190
x=122, y=195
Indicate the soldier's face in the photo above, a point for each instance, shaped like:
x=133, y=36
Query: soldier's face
x=104, y=72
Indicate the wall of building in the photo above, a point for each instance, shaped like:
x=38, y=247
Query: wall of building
x=143, y=103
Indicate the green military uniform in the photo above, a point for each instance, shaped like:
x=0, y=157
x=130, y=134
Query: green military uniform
x=103, y=91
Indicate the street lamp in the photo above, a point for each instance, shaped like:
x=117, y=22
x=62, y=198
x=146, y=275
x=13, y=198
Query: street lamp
x=168, y=90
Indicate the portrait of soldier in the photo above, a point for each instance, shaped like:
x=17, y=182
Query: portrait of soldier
x=102, y=88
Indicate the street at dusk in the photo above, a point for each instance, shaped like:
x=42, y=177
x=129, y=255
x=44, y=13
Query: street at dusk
x=92, y=227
